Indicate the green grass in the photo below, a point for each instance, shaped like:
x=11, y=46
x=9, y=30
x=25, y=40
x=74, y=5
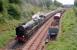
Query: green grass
x=4, y=38
x=67, y=39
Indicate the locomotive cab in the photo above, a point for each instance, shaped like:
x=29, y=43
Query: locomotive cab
x=20, y=34
x=42, y=16
x=19, y=31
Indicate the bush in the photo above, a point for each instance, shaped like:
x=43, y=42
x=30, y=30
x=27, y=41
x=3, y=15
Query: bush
x=75, y=3
x=13, y=10
x=1, y=6
x=14, y=1
x=2, y=20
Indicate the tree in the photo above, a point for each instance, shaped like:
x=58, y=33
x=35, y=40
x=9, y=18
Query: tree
x=48, y=3
x=1, y=6
x=14, y=1
x=75, y=3
x=57, y=3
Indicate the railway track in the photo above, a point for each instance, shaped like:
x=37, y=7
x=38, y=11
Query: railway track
x=37, y=41
x=17, y=46
x=34, y=43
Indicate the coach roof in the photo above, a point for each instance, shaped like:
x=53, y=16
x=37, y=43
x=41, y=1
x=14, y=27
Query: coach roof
x=58, y=14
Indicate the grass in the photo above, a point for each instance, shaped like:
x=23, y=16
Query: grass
x=4, y=38
x=67, y=39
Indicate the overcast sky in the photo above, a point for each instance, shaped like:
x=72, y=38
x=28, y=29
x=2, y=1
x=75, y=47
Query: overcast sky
x=66, y=1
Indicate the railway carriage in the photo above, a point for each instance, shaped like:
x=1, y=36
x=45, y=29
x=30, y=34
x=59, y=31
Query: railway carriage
x=57, y=16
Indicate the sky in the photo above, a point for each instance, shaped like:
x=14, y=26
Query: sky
x=66, y=1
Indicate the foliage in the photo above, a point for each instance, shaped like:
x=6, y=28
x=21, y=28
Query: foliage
x=75, y=3
x=1, y=6
x=14, y=1
x=56, y=3
x=13, y=10
x=2, y=19
x=48, y=4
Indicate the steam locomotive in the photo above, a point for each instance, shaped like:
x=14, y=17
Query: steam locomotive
x=26, y=30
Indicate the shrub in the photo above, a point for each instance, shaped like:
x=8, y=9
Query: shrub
x=13, y=10
x=14, y=1
x=2, y=20
x=1, y=6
